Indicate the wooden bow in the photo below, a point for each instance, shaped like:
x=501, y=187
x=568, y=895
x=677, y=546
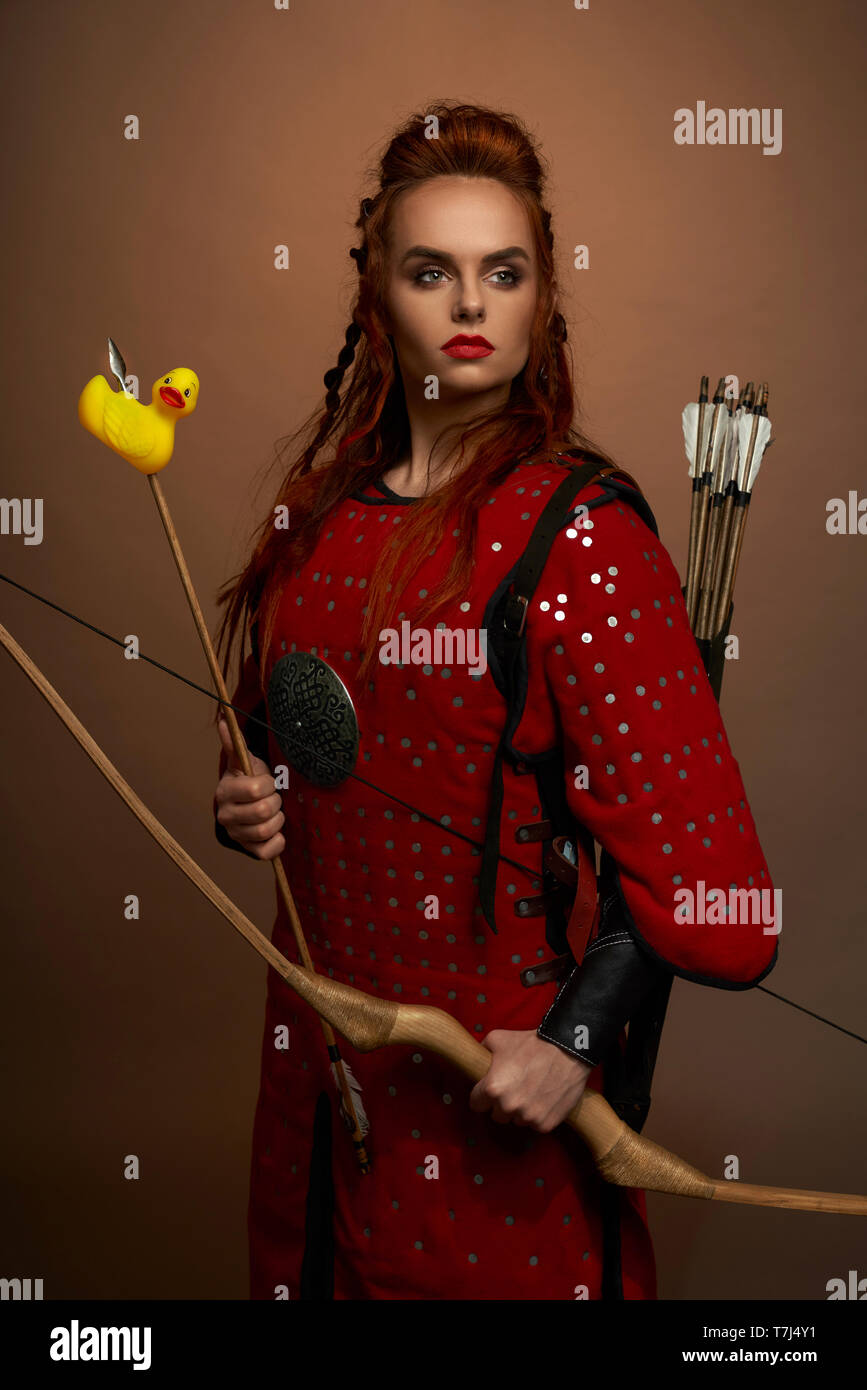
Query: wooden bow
x=622, y=1157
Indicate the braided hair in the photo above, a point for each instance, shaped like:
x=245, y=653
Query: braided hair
x=334, y=376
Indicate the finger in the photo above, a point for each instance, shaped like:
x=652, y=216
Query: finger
x=250, y=812
x=225, y=737
x=257, y=834
x=271, y=849
x=235, y=787
x=546, y=1126
x=479, y=1099
x=233, y=762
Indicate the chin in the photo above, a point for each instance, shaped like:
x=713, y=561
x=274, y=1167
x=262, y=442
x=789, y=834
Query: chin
x=478, y=370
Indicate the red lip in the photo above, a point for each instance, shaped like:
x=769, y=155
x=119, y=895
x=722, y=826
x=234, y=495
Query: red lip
x=172, y=396
x=474, y=340
x=463, y=345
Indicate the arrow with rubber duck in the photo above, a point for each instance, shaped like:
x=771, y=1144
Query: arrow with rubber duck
x=144, y=435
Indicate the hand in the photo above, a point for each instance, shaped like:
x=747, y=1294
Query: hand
x=249, y=807
x=530, y=1081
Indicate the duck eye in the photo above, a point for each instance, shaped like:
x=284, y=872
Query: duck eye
x=167, y=380
x=187, y=392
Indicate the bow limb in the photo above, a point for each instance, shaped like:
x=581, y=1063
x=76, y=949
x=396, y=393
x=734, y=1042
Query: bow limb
x=622, y=1156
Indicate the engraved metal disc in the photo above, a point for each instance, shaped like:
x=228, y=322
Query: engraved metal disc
x=313, y=718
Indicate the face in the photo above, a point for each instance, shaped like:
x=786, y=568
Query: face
x=461, y=262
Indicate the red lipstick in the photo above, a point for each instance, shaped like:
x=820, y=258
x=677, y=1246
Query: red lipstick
x=464, y=346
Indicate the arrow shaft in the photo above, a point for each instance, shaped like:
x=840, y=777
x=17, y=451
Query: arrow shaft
x=243, y=756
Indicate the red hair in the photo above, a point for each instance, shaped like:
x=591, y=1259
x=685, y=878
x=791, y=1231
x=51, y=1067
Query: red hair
x=366, y=430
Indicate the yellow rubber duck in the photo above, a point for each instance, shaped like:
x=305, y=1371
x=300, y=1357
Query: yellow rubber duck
x=142, y=434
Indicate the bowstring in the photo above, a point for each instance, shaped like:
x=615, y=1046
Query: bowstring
x=449, y=830
x=252, y=718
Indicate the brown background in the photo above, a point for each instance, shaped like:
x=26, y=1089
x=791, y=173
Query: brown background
x=257, y=127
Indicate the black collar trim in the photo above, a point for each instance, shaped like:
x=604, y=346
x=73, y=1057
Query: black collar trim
x=387, y=495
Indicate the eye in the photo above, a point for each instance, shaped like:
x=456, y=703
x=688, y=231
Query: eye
x=187, y=392
x=166, y=381
x=428, y=270
x=516, y=277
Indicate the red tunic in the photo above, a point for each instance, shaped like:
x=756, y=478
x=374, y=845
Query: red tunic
x=457, y=1206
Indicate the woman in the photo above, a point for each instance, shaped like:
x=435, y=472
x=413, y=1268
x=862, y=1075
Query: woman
x=447, y=443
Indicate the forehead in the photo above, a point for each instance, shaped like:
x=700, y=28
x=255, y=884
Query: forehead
x=454, y=212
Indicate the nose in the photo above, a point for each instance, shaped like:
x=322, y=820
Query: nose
x=469, y=307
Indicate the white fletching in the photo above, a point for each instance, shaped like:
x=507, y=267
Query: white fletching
x=689, y=420
x=763, y=434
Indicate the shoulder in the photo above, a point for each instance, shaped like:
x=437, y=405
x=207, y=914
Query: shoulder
x=613, y=507
x=609, y=580
x=608, y=529
x=607, y=516
x=605, y=544
x=529, y=486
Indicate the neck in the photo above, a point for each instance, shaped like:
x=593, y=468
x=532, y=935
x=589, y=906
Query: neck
x=427, y=465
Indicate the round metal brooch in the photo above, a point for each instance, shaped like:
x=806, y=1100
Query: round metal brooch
x=313, y=718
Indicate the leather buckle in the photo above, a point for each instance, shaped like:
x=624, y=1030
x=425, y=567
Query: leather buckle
x=515, y=605
x=549, y=970
x=536, y=830
x=560, y=860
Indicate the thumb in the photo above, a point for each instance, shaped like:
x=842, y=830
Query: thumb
x=232, y=763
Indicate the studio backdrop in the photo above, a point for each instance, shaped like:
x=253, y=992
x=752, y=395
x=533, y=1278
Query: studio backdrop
x=186, y=180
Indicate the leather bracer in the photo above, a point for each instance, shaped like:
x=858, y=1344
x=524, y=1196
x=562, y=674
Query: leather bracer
x=603, y=993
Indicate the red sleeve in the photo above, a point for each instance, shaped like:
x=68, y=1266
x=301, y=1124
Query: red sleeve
x=664, y=793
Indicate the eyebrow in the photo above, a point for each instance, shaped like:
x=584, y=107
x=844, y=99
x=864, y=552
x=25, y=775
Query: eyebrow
x=429, y=253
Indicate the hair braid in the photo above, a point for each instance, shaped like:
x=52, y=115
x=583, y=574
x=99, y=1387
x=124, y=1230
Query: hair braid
x=334, y=376
x=332, y=380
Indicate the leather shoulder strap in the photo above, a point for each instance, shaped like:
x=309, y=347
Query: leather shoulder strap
x=512, y=614
x=533, y=560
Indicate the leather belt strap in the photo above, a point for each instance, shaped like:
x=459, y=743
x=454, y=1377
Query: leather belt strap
x=584, y=918
x=536, y=830
x=561, y=866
